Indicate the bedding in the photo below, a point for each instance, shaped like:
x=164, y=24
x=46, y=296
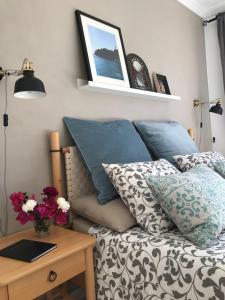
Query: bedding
x=106, y=142
x=130, y=182
x=165, y=139
x=186, y=162
x=113, y=215
x=136, y=265
x=195, y=201
x=82, y=225
x=83, y=200
x=219, y=167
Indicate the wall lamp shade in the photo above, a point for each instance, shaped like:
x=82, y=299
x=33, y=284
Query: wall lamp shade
x=29, y=87
x=217, y=109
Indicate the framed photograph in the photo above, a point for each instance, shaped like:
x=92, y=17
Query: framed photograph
x=161, y=84
x=138, y=71
x=103, y=50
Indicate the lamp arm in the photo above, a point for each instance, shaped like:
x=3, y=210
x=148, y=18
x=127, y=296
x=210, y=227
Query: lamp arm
x=9, y=73
x=27, y=65
x=197, y=102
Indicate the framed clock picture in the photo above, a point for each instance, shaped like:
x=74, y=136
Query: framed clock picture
x=139, y=76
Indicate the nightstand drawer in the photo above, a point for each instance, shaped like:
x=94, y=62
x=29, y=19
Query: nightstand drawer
x=47, y=278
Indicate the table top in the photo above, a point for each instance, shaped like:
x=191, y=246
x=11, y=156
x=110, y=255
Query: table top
x=68, y=242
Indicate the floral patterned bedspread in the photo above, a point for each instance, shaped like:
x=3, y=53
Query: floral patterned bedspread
x=136, y=265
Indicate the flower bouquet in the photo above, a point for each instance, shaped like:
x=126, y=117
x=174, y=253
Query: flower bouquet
x=51, y=208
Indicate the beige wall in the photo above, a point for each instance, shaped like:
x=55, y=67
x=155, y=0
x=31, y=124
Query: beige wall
x=215, y=84
x=165, y=34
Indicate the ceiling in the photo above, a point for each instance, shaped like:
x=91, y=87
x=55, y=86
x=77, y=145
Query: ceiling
x=204, y=8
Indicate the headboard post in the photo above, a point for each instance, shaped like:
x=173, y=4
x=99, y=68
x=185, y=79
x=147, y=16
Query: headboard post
x=56, y=161
x=190, y=132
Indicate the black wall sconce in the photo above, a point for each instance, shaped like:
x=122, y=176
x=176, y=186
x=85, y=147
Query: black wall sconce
x=27, y=87
x=217, y=109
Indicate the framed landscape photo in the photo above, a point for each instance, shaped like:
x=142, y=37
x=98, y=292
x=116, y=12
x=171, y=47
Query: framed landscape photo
x=103, y=50
x=161, y=84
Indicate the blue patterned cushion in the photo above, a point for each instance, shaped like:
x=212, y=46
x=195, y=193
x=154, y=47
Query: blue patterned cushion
x=195, y=201
x=219, y=167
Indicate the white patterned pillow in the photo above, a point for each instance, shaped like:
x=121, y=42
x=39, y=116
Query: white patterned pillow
x=188, y=161
x=129, y=181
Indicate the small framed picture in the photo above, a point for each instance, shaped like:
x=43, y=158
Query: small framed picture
x=103, y=50
x=161, y=84
x=138, y=71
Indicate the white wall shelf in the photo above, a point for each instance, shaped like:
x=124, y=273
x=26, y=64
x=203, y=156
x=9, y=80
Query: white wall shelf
x=123, y=91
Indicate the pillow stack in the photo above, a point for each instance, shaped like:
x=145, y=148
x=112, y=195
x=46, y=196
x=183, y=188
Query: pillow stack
x=156, y=193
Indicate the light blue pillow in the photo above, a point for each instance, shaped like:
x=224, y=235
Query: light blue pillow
x=219, y=167
x=195, y=202
x=106, y=142
x=165, y=139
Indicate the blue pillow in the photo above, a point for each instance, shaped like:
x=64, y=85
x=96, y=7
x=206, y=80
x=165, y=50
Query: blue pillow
x=106, y=142
x=166, y=139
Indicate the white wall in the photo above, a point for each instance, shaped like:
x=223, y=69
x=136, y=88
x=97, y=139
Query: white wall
x=215, y=84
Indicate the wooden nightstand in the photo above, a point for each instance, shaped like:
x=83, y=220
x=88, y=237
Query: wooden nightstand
x=25, y=281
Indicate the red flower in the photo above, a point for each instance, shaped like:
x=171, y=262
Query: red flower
x=61, y=218
x=41, y=210
x=33, y=197
x=17, y=200
x=49, y=208
x=52, y=207
x=23, y=217
x=50, y=191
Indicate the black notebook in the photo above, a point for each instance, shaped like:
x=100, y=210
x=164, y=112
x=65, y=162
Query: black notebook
x=27, y=250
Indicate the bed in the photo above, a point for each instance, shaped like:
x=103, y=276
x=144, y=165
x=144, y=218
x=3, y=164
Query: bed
x=137, y=265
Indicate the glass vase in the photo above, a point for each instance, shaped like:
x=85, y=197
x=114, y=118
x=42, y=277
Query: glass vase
x=41, y=227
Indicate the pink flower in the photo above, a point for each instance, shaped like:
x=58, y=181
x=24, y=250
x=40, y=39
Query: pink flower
x=41, y=210
x=52, y=208
x=50, y=191
x=28, y=210
x=17, y=200
x=23, y=217
x=61, y=218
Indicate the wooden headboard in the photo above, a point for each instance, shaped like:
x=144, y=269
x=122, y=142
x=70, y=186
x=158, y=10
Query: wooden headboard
x=56, y=158
x=56, y=150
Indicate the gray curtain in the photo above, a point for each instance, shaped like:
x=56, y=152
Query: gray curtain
x=221, y=37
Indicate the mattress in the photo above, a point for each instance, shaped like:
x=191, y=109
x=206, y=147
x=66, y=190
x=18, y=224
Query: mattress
x=137, y=265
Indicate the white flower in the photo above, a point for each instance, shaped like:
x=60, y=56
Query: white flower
x=63, y=204
x=29, y=205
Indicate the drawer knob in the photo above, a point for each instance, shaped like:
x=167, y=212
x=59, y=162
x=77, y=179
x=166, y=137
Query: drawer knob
x=52, y=276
